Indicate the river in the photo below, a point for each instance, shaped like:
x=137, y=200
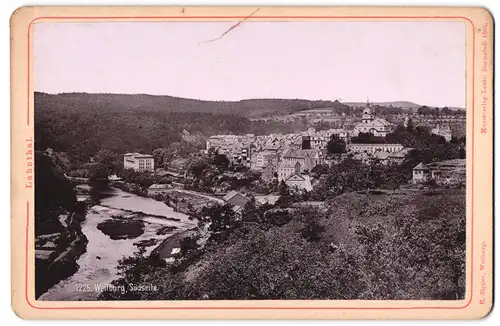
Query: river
x=98, y=265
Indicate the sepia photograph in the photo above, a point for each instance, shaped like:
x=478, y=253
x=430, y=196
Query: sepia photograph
x=249, y=160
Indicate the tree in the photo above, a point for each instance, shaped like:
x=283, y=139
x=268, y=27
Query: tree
x=250, y=214
x=348, y=175
x=424, y=110
x=409, y=126
x=221, y=161
x=283, y=189
x=221, y=221
x=319, y=170
x=277, y=217
x=53, y=194
x=311, y=220
x=394, y=176
x=336, y=145
x=446, y=111
x=277, y=265
x=403, y=247
x=107, y=158
x=198, y=168
x=99, y=172
x=431, y=183
x=144, y=179
x=367, y=138
x=129, y=175
x=188, y=245
x=161, y=157
x=132, y=270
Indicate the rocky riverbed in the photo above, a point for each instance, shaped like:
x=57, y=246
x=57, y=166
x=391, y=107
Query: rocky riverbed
x=97, y=267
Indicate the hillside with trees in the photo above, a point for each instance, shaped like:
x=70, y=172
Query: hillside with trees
x=83, y=124
x=370, y=247
x=164, y=103
x=54, y=194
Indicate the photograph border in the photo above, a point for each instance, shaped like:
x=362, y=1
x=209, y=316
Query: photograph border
x=470, y=263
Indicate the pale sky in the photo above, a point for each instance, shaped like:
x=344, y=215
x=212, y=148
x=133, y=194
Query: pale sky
x=422, y=62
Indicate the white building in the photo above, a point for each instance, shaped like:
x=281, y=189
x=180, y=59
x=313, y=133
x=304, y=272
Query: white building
x=138, y=162
x=302, y=182
x=260, y=159
x=370, y=124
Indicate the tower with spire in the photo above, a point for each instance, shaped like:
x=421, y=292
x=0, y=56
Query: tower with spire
x=367, y=112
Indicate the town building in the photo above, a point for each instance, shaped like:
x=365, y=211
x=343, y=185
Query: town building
x=288, y=168
x=341, y=133
x=319, y=114
x=269, y=171
x=308, y=158
x=260, y=159
x=319, y=139
x=450, y=171
x=158, y=188
x=138, y=162
x=397, y=157
x=366, y=158
x=237, y=148
x=266, y=199
x=370, y=124
x=443, y=131
x=302, y=182
x=236, y=199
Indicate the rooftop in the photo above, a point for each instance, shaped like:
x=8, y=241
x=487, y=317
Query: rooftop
x=381, y=155
x=269, y=199
x=302, y=153
x=401, y=154
x=301, y=181
x=456, y=163
x=139, y=155
x=374, y=144
x=231, y=194
x=421, y=166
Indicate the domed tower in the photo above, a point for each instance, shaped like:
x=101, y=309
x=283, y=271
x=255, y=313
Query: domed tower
x=367, y=113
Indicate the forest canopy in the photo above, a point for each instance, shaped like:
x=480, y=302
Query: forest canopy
x=83, y=124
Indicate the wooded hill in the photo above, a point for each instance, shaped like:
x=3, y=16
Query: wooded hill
x=251, y=108
x=83, y=124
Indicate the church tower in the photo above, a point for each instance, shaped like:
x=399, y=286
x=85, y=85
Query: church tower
x=367, y=113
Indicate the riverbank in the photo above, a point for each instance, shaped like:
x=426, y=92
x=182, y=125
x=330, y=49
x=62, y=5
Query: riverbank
x=164, y=250
x=182, y=201
x=56, y=254
x=185, y=201
x=129, y=187
x=98, y=264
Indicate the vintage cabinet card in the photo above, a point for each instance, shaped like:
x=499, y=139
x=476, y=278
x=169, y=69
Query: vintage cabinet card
x=238, y=162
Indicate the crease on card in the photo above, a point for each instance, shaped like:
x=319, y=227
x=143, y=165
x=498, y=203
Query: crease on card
x=230, y=28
